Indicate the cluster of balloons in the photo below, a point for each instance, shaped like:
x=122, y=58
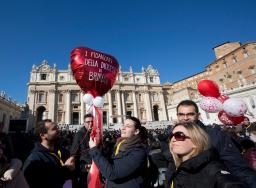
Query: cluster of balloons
x=230, y=110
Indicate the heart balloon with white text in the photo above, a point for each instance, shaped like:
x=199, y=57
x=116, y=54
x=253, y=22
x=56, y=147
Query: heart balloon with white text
x=95, y=72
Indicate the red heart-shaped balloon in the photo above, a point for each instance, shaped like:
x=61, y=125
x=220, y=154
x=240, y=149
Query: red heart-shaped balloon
x=95, y=72
x=228, y=120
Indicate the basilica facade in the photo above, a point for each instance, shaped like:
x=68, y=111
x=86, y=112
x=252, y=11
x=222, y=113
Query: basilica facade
x=54, y=94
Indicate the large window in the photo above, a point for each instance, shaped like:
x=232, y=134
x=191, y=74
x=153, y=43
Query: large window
x=60, y=116
x=127, y=97
x=105, y=121
x=155, y=97
x=113, y=95
x=60, y=98
x=75, y=118
x=41, y=97
x=75, y=97
x=42, y=76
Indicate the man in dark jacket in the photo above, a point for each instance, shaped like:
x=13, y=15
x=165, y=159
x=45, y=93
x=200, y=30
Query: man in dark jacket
x=44, y=167
x=80, y=151
x=187, y=110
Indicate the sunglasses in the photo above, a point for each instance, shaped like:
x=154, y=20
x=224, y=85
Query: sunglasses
x=179, y=136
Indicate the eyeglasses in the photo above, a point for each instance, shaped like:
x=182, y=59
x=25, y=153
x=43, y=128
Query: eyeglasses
x=179, y=136
x=191, y=114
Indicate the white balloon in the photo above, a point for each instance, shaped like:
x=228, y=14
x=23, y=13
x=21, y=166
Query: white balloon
x=89, y=109
x=234, y=107
x=210, y=104
x=98, y=101
x=88, y=99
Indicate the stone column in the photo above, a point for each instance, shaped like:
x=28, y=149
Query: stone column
x=123, y=106
x=110, y=107
x=68, y=105
x=148, y=106
x=135, y=104
x=33, y=102
x=52, y=105
x=82, y=108
x=162, y=103
x=119, y=107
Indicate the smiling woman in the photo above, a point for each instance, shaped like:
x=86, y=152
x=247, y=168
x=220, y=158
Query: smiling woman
x=196, y=163
x=128, y=164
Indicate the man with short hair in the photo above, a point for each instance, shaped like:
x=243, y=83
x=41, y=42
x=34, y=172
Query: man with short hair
x=80, y=151
x=187, y=111
x=45, y=167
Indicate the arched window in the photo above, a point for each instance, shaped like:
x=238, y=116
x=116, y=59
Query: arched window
x=155, y=110
x=40, y=113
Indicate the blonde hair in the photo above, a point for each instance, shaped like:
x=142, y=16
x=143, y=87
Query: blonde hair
x=198, y=137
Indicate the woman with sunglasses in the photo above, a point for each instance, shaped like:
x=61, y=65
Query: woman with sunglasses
x=128, y=164
x=196, y=163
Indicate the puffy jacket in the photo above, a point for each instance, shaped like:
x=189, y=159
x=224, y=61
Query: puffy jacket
x=43, y=169
x=126, y=170
x=202, y=171
x=228, y=153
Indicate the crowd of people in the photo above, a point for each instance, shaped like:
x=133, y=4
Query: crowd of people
x=187, y=154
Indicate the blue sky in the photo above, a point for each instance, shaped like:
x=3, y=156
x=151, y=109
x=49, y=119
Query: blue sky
x=175, y=36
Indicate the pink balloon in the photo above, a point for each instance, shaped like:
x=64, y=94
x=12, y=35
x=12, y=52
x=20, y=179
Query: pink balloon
x=223, y=98
x=227, y=120
x=210, y=104
x=208, y=88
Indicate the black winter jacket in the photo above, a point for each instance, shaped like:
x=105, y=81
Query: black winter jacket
x=202, y=171
x=42, y=169
x=126, y=170
x=80, y=149
x=228, y=154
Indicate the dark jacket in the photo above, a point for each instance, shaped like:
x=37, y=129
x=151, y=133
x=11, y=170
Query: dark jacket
x=80, y=149
x=126, y=170
x=42, y=169
x=202, y=171
x=228, y=154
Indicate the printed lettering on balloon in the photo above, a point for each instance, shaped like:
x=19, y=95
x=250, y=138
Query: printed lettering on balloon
x=95, y=72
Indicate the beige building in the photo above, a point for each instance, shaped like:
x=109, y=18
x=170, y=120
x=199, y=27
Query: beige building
x=9, y=110
x=54, y=94
x=233, y=70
